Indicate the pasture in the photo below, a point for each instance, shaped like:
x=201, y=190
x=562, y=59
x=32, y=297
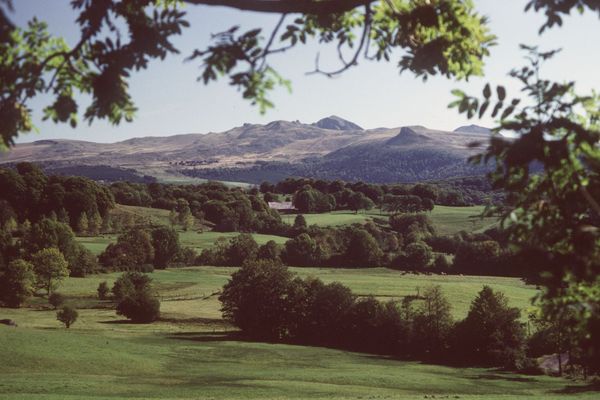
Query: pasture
x=192, y=354
x=447, y=220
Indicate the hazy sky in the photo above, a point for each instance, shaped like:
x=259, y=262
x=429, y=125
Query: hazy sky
x=170, y=101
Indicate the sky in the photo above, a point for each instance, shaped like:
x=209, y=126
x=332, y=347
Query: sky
x=170, y=101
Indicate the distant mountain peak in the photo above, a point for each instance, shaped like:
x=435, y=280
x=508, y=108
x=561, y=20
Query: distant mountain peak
x=336, y=123
x=409, y=135
x=473, y=129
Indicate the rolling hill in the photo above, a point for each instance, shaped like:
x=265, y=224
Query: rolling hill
x=331, y=148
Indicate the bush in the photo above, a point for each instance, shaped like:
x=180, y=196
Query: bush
x=103, y=290
x=16, y=282
x=140, y=307
x=416, y=257
x=83, y=262
x=136, y=298
x=187, y=256
x=68, y=315
x=56, y=300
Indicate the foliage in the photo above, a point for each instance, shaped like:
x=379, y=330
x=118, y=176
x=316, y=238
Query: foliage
x=133, y=249
x=412, y=225
x=50, y=268
x=103, y=290
x=136, y=298
x=432, y=325
x=56, y=300
x=552, y=217
x=492, y=333
x=16, y=282
x=165, y=242
x=309, y=200
x=256, y=297
x=67, y=315
x=28, y=194
x=441, y=37
x=363, y=249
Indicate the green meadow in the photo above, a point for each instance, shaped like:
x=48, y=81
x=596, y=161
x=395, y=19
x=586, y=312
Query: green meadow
x=447, y=220
x=191, y=353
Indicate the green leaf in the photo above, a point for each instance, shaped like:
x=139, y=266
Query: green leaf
x=501, y=92
x=487, y=91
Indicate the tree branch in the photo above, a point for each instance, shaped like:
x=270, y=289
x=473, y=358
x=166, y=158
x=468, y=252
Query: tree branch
x=354, y=61
x=313, y=7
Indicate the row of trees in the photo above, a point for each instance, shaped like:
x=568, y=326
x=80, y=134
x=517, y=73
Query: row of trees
x=409, y=244
x=146, y=249
x=26, y=193
x=268, y=302
x=43, y=255
x=226, y=209
x=458, y=192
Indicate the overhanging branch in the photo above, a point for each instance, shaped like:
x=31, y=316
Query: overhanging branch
x=314, y=7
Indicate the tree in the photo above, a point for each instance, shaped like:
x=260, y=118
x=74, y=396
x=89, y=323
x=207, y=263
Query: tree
x=300, y=222
x=242, y=248
x=83, y=262
x=56, y=300
x=83, y=225
x=103, y=290
x=476, y=257
x=416, y=256
x=68, y=315
x=133, y=249
x=50, y=268
x=269, y=251
x=136, y=298
x=140, y=307
x=94, y=223
x=49, y=233
x=358, y=201
x=16, y=282
x=301, y=251
x=363, y=250
x=257, y=299
x=165, y=242
x=432, y=323
x=553, y=214
x=492, y=333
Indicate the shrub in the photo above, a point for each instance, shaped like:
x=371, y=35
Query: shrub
x=68, y=315
x=16, y=282
x=140, y=306
x=416, y=256
x=50, y=267
x=103, y=290
x=56, y=300
x=136, y=298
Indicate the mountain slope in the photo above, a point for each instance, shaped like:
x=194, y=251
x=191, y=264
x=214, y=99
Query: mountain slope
x=331, y=148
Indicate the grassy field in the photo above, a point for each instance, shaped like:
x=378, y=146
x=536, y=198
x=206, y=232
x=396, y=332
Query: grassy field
x=198, y=241
x=192, y=354
x=447, y=220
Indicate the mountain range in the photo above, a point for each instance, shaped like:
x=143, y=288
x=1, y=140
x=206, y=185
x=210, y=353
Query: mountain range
x=331, y=148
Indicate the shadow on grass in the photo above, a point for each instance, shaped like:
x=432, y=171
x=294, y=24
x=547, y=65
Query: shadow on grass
x=120, y=322
x=573, y=389
x=222, y=336
x=504, y=377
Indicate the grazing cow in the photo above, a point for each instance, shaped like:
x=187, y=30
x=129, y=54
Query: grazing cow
x=8, y=322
